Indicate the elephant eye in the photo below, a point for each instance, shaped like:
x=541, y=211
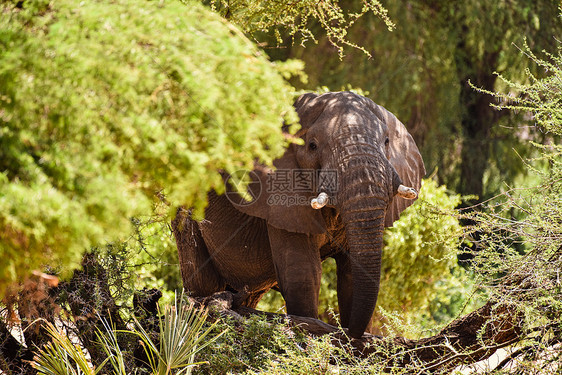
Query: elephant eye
x=312, y=145
x=386, y=141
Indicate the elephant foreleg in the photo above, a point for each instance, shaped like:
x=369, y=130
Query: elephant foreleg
x=345, y=287
x=298, y=268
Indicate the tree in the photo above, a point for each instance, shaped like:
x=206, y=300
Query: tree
x=529, y=278
x=421, y=277
x=520, y=236
x=292, y=20
x=421, y=72
x=484, y=47
x=519, y=231
x=104, y=106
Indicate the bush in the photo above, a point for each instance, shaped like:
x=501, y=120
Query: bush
x=421, y=280
x=103, y=104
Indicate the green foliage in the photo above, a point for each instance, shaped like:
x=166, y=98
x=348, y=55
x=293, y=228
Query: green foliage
x=315, y=356
x=420, y=72
x=182, y=336
x=61, y=356
x=294, y=19
x=540, y=206
x=110, y=345
x=518, y=235
x=259, y=346
x=152, y=255
x=240, y=349
x=146, y=259
x=105, y=103
x=540, y=97
x=420, y=255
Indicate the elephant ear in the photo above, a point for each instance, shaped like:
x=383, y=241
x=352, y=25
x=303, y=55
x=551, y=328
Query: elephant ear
x=404, y=157
x=275, y=197
x=309, y=107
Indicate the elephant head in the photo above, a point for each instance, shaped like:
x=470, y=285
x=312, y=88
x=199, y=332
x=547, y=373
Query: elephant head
x=376, y=166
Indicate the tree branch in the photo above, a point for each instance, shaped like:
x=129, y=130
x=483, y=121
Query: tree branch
x=469, y=339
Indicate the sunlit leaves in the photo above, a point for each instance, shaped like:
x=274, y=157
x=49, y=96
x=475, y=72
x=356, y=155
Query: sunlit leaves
x=105, y=104
x=295, y=19
x=182, y=335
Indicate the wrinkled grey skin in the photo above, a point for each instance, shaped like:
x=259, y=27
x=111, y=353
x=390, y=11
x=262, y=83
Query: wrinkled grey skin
x=257, y=246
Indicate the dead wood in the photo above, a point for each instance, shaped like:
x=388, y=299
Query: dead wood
x=14, y=356
x=469, y=339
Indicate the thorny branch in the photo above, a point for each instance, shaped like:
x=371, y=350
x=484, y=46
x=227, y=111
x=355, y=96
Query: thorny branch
x=469, y=339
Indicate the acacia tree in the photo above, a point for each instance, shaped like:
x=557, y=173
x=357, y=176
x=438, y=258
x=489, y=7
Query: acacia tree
x=421, y=72
x=198, y=97
x=86, y=142
x=292, y=20
x=104, y=105
x=530, y=278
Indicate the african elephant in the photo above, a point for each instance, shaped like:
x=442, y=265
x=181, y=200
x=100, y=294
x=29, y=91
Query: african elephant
x=354, y=161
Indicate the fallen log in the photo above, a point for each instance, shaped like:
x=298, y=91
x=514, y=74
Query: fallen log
x=469, y=339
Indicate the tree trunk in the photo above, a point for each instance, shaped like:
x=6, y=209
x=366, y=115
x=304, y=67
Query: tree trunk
x=478, y=117
x=477, y=120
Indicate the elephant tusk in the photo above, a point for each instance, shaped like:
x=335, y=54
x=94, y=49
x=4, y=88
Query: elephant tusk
x=320, y=201
x=407, y=192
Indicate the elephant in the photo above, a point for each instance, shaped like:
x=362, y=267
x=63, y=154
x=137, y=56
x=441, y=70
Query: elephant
x=331, y=196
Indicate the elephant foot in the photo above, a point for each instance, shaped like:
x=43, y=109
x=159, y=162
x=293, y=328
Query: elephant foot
x=233, y=299
x=247, y=298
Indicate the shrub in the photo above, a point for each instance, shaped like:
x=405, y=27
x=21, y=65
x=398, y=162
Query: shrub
x=105, y=103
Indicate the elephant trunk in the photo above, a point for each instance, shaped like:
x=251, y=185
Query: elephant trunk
x=364, y=231
x=368, y=183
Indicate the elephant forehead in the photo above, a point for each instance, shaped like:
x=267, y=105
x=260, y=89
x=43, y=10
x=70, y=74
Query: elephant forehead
x=343, y=112
x=358, y=137
x=358, y=126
